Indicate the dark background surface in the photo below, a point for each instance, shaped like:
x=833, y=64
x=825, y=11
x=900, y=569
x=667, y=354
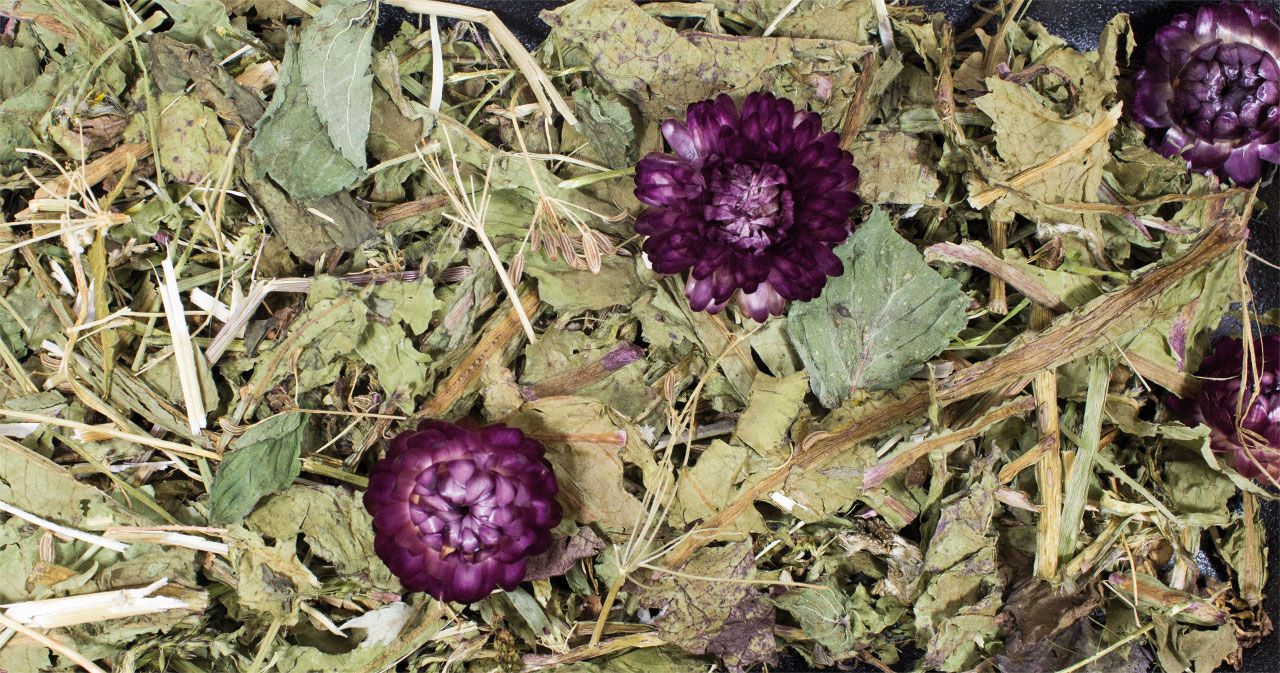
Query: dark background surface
x=1079, y=22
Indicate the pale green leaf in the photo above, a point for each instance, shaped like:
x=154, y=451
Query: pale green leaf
x=412, y=303
x=291, y=144
x=334, y=58
x=337, y=527
x=879, y=322
x=402, y=370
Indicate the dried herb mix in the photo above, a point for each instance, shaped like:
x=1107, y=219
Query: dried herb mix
x=845, y=332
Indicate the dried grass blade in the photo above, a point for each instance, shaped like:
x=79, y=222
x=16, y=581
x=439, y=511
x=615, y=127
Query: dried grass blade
x=184, y=350
x=63, y=531
x=1081, y=473
x=96, y=607
x=145, y=440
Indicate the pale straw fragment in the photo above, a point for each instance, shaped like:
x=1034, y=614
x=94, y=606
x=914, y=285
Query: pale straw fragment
x=55, y=613
x=63, y=531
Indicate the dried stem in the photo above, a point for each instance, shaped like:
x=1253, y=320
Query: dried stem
x=1049, y=466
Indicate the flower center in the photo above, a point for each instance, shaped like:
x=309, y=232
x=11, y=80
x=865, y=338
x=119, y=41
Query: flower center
x=462, y=509
x=1226, y=90
x=749, y=201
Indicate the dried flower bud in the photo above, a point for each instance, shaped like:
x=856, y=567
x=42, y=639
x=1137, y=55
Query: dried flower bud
x=1212, y=84
x=751, y=204
x=1247, y=425
x=456, y=512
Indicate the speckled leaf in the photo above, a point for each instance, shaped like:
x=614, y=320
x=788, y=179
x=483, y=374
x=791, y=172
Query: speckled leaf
x=663, y=70
x=852, y=20
x=261, y=461
x=334, y=58
x=879, y=322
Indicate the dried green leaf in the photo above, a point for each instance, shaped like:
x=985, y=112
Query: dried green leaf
x=33, y=483
x=270, y=580
x=17, y=115
x=774, y=404
x=402, y=370
x=412, y=303
x=606, y=122
x=572, y=291
x=877, y=324
x=260, y=462
x=334, y=60
x=663, y=70
x=713, y=616
x=587, y=444
x=337, y=528
x=894, y=167
x=291, y=143
x=712, y=482
x=843, y=623
x=201, y=23
x=956, y=616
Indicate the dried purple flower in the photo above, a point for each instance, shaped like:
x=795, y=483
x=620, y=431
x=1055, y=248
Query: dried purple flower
x=751, y=203
x=1212, y=82
x=456, y=512
x=1248, y=426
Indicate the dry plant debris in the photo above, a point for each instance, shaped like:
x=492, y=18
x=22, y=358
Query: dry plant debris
x=246, y=241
